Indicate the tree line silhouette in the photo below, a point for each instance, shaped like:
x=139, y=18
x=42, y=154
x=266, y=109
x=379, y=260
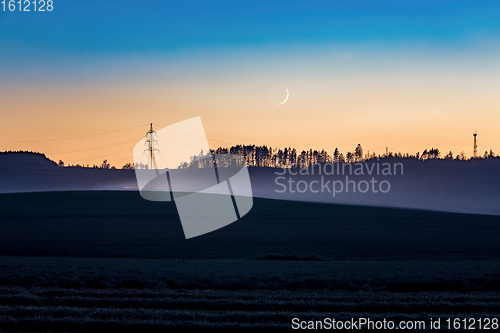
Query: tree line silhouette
x=264, y=156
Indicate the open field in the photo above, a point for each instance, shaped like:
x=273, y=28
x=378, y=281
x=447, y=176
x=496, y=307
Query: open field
x=96, y=261
x=99, y=294
x=191, y=310
x=122, y=224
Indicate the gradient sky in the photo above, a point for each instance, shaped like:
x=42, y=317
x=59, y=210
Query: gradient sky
x=409, y=75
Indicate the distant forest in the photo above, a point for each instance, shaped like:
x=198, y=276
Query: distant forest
x=264, y=156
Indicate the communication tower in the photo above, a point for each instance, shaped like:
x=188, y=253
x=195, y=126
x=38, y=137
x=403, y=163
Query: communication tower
x=475, y=144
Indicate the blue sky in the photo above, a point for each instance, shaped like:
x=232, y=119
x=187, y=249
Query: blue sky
x=120, y=27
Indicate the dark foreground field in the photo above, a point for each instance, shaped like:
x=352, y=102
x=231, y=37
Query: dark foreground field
x=96, y=261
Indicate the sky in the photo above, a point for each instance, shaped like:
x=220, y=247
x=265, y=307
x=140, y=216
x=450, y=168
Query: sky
x=82, y=83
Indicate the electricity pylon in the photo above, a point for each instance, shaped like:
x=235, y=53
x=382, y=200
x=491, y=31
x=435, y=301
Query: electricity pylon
x=151, y=142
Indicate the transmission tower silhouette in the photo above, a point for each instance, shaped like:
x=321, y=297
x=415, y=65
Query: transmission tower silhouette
x=475, y=144
x=151, y=150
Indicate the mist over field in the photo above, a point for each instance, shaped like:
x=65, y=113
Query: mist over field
x=441, y=185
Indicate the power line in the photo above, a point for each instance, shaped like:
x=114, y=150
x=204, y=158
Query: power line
x=75, y=137
x=95, y=148
x=170, y=129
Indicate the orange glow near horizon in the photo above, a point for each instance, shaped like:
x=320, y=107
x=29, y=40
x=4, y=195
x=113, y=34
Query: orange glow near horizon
x=405, y=102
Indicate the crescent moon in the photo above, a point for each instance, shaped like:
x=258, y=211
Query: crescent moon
x=286, y=99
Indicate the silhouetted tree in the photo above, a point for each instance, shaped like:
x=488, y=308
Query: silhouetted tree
x=424, y=155
x=105, y=165
x=293, y=156
x=323, y=157
x=358, y=152
x=433, y=153
x=336, y=154
x=302, y=159
x=349, y=157
x=128, y=166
